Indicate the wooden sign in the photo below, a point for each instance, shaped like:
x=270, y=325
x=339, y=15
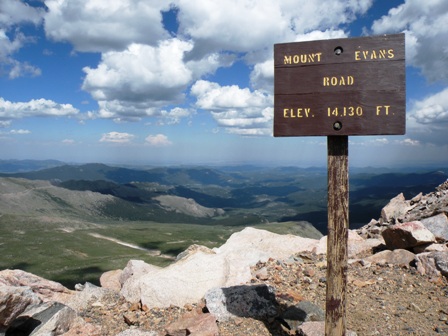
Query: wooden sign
x=353, y=86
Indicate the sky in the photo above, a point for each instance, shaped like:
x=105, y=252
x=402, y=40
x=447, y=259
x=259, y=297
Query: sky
x=162, y=82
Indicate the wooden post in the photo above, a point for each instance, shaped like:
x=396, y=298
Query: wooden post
x=337, y=235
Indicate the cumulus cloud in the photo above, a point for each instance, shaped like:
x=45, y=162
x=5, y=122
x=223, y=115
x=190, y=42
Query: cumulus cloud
x=240, y=111
x=425, y=25
x=245, y=25
x=158, y=140
x=428, y=118
x=35, y=108
x=432, y=110
x=175, y=115
x=117, y=137
x=133, y=82
x=104, y=25
x=13, y=13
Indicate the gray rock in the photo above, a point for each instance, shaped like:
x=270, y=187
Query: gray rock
x=304, y=311
x=46, y=319
x=438, y=225
x=441, y=261
x=395, y=209
x=433, y=264
x=397, y=257
x=47, y=290
x=241, y=301
x=407, y=235
x=14, y=301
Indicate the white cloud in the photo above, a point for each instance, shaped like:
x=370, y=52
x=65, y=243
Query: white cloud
x=428, y=118
x=104, y=25
x=239, y=110
x=425, y=25
x=158, y=140
x=68, y=141
x=409, y=142
x=432, y=110
x=247, y=26
x=132, y=82
x=35, y=108
x=117, y=137
x=19, y=131
x=175, y=115
x=13, y=13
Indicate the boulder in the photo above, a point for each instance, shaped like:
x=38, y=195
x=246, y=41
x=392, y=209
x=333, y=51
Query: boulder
x=188, y=279
x=433, y=264
x=14, y=301
x=111, y=280
x=438, y=225
x=130, y=278
x=47, y=290
x=356, y=244
x=49, y=318
x=407, y=235
x=395, y=209
x=304, y=311
x=397, y=257
x=256, y=301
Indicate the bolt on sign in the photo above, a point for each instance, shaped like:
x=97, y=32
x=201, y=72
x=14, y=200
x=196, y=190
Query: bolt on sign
x=352, y=86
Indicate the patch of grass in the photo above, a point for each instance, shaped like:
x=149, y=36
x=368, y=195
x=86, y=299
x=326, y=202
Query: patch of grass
x=64, y=250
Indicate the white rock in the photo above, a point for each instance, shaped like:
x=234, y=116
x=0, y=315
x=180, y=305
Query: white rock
x=188, y=279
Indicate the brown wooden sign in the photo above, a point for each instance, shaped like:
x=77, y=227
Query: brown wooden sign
x=353, y=86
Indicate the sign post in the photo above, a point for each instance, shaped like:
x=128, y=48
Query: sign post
x=337, y=88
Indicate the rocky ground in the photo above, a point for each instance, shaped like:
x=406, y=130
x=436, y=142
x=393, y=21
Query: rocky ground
x=397, y=284
x=381, y=300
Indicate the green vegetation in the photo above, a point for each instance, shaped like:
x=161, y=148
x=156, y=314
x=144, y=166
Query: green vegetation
x=65, y=250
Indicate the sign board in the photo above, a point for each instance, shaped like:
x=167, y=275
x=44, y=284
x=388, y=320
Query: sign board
x=352, y=86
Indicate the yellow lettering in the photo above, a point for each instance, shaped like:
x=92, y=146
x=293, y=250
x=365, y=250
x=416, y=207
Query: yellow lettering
x=380, y=108
x=298, y=112
x=302, y=58
x=390, y=53
x=338, y=81
x=361, y=55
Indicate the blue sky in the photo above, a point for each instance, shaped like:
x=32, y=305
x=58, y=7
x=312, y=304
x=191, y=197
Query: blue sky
x=191, y=81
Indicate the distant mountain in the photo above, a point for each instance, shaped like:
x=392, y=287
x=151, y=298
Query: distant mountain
x=96, y=171
x=248, y=196
x=16, y=166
